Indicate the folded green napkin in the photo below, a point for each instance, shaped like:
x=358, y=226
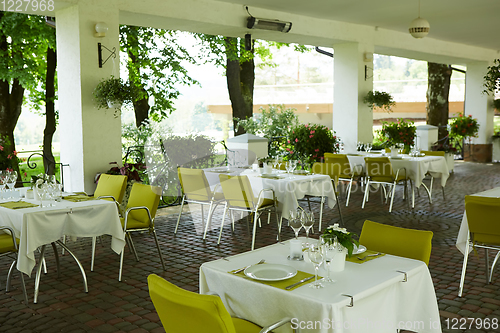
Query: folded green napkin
x=77, y=198
x=355, y=259
x=18, y=205
x=283, y=283
x=270, y=176
x=220, y=171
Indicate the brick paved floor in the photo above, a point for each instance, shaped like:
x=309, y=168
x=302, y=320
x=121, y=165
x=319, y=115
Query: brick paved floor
x=112, y=306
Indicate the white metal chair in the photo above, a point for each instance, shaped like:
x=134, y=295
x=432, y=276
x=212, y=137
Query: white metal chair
x=8, y=246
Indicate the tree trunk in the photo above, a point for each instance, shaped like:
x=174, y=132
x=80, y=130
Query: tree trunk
x=438, y=90
x=50, y=114
x=240, y=76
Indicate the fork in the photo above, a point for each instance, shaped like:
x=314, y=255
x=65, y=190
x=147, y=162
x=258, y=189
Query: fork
x=242, y=269
x=370, y=255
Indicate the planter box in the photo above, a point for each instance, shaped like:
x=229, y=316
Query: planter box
x=496, y=149
x=450, y=161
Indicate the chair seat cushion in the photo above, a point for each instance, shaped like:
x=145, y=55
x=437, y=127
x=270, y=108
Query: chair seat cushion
x=265, y=202
x=134, y=224
x=244, y=326
x=6, y=243
x=218, y=196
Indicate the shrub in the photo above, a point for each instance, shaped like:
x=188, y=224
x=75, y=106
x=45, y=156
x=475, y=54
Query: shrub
x=311, y=142
x=463, y=126
x=402, y=131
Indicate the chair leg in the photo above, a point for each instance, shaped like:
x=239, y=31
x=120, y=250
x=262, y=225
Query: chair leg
x=159, y=250
x=9, y=276
x=222, y=223
x=278, y=221
x=93, y=254
x=487, y=265
x=365, y=197
x=132, y=246
x=392, y=196
x=464, y=268
x=309, y=203
x=179, y=217
x=321, y=213
x=338, y=208
x=493, y=266
x=348, y=193
x=442, y=189
x=121, y=266
x=254, y=229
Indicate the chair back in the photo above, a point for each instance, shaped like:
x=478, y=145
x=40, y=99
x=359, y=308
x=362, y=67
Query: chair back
x=408, y=243
x=432, y=153
x=147, y=196
x=8, y=242
x=482, y=217
x=379, y=169
x=194, y=183
x=113, y=185
x=185, y=311
x=330, y=169
x=237, y=191
x=342, y=161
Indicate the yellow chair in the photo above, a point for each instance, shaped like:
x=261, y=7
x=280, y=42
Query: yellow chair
x=239, y=197
x=111, y=188
x=196, y=189
x=408, y=243
x=379, y=171
x=332, y=170
x=433, y=153
x=8, y=246
x=139, y=216
x=185, y=311
x=346, y=174
x=484, y=231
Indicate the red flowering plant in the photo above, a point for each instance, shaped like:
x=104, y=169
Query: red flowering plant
x=309, y=142
x=403, y=131
x=8, y=158
x=133, y=171
x=463, y=126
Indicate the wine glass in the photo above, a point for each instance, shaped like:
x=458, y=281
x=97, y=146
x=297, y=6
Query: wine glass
x=368, y=147
x=289, y=166
x=11, y=181
x=280, y=161
x=316, y=256
x=294, y=165
x=3, y=180
x=294, y=222
x=307, y=220
x=329, y=251
x=275, y=162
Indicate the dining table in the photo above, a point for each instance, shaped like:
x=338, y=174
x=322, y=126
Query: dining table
x=380, y=295
x=37, y=226
x=288, y=187
x=416, y=167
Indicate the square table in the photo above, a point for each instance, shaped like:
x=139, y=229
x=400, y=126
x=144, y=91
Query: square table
x=381, y=299
x=35, y=227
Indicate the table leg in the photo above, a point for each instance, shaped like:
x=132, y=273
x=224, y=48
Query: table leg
x=57, y=259
x=85, y=287
x=38, y=273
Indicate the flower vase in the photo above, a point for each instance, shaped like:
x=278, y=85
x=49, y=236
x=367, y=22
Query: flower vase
x=337, y=264
x=36, y=195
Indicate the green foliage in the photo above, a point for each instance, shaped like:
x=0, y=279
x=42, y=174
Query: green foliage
x=463, y=126
x=334, y=234
x=492, y=78
x=156, y=66
x=380, y=99
x=402, y=131
x=275, y=123
x=8, y=160
x=112, y=90
x=496, y=104
x=311, y=142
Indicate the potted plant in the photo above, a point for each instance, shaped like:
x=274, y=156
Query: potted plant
x=492, y=78
x=400, y=132
x=112, y=93
x=380, y=99
x=309, y=142
x=342, y=241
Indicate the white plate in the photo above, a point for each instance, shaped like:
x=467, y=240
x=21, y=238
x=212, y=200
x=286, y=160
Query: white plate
x=359, y=249
x=270, y=272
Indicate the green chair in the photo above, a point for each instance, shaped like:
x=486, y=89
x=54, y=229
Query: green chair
x=239, y=197
x=139, y=217
x=8, y=247
x=197, y=190
x=379, y=171
x=185, y=311
x=332, y=170
x=346, y=173
x=111, y=188
x=402, y=242
x=484, y=231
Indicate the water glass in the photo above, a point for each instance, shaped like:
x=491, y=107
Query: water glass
x=307, y=220
x=316, y=256
x=329, y=251
x=294, y=222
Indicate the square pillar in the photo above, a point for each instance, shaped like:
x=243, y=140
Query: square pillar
x=479, y=106
x=90, y=138
x=352, y=119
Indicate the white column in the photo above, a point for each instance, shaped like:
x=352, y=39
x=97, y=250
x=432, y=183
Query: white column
x=352, y=119
x=477, y=104
x=90, y=138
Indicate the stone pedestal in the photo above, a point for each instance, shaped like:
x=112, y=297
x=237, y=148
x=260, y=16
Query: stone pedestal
x=478, y=153
x=496, y=149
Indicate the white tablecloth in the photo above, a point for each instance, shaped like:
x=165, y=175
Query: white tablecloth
x=38, y=226
x=288, y=189
x=381, y=300
x=416, y=167
x=464, y=227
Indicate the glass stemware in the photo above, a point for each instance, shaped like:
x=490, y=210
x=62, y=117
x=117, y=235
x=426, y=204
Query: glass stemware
x=11, y=182
x=316, y=256
x=280, y=161
x=289, y=167
x=368, y=147
x=307, y=220
x=329, y=251
x=3, y=181
x=275, y=162
x=294, y=222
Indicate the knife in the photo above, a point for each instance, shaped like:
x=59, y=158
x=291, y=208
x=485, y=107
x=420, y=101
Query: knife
x=297, y=283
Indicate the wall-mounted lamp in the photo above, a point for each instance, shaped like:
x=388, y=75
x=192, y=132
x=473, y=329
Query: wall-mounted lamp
x=368, y=57
x=100, y=29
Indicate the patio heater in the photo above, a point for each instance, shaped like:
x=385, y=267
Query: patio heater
x=266, y=24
